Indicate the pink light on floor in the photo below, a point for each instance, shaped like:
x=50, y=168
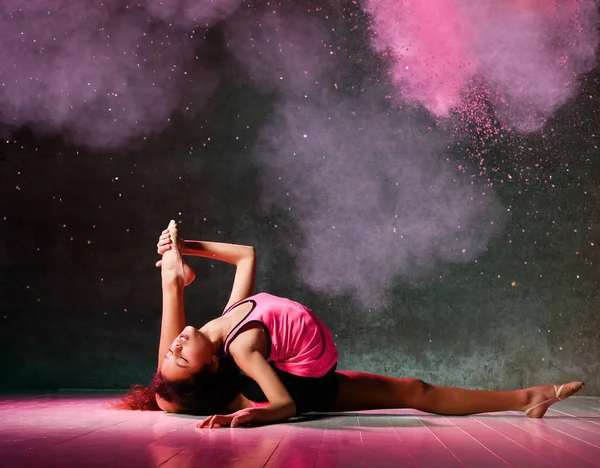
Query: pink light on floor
x=72, y=431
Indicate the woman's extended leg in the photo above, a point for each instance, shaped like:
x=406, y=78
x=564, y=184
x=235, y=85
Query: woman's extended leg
x=173, y=280
x=361, y=391
x=142, y=397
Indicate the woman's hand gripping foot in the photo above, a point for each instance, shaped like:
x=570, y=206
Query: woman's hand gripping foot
x=170, y=246
x=541, y=398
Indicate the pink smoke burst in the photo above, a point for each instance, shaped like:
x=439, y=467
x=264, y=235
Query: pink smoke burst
x=529, y=53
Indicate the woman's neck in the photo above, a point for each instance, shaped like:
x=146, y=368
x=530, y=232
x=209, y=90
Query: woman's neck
x=217, y=330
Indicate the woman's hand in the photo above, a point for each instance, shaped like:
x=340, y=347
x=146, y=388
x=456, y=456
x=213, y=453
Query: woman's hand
x=165, y=243
x=243, y=416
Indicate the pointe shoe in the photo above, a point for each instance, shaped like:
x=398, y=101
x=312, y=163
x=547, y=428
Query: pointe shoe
x=560, y=393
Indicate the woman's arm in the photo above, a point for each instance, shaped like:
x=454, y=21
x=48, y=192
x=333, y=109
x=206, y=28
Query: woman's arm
x=229, y=253
x=281, y=406
x=246, y=350
x=242, y=256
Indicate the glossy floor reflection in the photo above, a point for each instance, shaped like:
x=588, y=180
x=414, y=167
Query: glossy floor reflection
x=66, y=430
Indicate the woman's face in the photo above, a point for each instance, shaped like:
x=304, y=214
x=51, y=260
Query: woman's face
x=189, y=353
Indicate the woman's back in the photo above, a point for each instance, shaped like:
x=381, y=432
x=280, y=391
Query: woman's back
x=300, y=343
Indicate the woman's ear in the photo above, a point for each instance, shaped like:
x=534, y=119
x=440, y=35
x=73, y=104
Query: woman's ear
x=214, y=364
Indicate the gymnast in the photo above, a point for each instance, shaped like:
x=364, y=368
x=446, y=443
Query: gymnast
x=267, y=359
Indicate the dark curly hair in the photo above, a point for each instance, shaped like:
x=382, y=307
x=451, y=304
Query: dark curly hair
x=204, y=392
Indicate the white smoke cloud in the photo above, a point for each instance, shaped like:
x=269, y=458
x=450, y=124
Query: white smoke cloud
x=372, y=198
x=102, y=73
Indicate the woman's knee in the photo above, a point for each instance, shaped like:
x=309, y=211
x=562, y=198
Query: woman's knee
x=418, y=387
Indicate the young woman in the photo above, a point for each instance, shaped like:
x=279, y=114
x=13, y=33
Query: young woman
x=287, y=357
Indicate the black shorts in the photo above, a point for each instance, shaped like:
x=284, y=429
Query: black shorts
x=309, y=393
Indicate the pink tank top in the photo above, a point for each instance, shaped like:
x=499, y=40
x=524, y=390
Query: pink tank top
x=300, y=343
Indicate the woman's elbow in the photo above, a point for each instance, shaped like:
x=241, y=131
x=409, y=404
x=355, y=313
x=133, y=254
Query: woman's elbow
x=248, y=253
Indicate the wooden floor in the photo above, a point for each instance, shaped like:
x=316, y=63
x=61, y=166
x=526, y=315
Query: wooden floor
x=76, y=430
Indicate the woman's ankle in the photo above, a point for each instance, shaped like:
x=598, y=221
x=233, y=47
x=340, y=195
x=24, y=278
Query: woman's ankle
x=172, y=279
x=527, y=397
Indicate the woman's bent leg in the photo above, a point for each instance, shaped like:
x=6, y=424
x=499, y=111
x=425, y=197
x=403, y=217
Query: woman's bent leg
x=361, y=391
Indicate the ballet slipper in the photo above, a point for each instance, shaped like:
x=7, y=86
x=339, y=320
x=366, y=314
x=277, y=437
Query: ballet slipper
x=560, y=393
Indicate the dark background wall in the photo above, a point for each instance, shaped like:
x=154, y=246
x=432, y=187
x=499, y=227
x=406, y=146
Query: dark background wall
x=509, y=299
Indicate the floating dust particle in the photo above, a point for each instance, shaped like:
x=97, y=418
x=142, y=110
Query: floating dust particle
x=513, y=284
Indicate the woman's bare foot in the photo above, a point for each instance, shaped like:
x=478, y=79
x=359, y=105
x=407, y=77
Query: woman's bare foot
x=539, y=399
x=189, y=275
x=172, y=264
x=169, y=241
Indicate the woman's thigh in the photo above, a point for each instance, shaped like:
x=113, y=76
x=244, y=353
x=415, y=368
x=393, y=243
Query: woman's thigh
x=361, y=391
x=309, y=394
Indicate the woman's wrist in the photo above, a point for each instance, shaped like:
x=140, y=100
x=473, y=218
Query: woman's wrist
x=273, y=412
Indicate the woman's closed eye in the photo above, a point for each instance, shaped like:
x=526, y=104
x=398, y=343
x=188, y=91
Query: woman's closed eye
x=180, y=357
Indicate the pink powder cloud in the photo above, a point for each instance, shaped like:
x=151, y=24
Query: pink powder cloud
x=528, y=52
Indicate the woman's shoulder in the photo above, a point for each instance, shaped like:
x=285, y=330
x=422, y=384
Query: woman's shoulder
x=271, y=297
